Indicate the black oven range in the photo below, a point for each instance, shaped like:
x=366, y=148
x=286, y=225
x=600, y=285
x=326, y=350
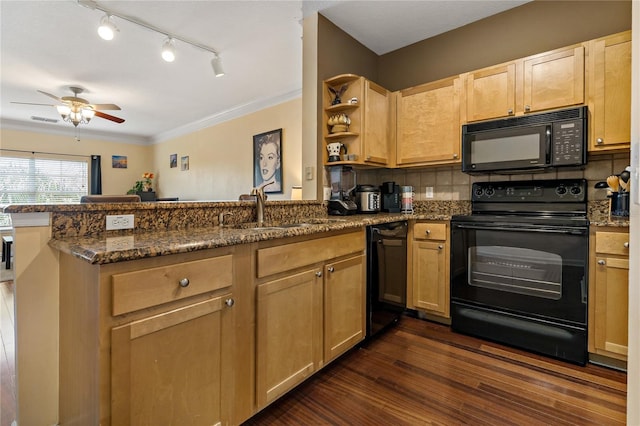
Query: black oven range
x=519, y=266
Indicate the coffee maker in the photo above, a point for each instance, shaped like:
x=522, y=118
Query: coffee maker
x=391, y=197
x=343, y=182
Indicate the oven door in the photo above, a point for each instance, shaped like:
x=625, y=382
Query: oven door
x=530, y=271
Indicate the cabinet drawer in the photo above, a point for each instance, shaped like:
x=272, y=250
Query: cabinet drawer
x=287, y=257
x=612, y=242
x=430, y=231
x=149, y=287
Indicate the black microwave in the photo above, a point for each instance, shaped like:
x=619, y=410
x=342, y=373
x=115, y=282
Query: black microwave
x=526, y=143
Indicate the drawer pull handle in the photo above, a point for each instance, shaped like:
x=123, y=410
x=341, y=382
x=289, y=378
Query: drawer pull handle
x=319, y=274
x=229, y=302
x=626, y=244
x=601, y=262
x=428, y=232
x=184, y=282
x=331, y=269
x=440, y=247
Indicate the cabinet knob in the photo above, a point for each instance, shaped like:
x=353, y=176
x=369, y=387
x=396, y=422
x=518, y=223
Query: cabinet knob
x=319, y=274
x=601, y=262
x=527, y=108
x=510, y=111
x=440, y=247
x=229, y=302
x=184, y=282
x=428, y=232
x=626, y=244
x=331, y=269
x=599, y=141
x=455, y=155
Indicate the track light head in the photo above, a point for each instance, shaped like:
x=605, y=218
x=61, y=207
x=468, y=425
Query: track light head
x=216, y=64
x=169, y=50
x=107, y=28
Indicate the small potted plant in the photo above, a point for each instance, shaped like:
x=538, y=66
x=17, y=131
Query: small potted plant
x=143, y=187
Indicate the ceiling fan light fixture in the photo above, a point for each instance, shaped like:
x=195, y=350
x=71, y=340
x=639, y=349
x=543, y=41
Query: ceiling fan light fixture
x=169, y=50
x=216, y=64
x=107, y=28
x=63, y=110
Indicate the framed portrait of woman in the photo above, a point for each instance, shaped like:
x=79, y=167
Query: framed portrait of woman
x=267, y=161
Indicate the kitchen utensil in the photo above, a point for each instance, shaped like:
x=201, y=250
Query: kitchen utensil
x=601, y=185
x=624, y=180
x=613, y=182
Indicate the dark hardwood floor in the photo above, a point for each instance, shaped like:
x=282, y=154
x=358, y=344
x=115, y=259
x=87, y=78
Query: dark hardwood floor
x=421, y=373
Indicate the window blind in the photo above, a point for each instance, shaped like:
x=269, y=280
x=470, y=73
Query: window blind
x=31, y=180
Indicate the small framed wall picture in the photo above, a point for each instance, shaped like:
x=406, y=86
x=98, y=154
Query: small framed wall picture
x=173, y=161
x=184, y=163
x=119, y=161
x=267, y=161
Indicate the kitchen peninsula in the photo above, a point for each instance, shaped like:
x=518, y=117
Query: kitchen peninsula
x=102, y=286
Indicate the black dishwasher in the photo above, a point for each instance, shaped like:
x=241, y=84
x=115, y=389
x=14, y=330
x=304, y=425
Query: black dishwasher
x=386, y=275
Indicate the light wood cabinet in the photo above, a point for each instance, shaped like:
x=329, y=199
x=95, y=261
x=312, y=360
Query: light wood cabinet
x=536, y=83
x=310, y=308
x=152, y=341
x=609, y=292
x=428, y=124
x=366, y=135
x=609, y=92
x=428, y=268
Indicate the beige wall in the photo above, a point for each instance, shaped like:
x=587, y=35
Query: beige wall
x=221, y=157
x=114, y=181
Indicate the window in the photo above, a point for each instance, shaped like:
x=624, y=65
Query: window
x=34, y=179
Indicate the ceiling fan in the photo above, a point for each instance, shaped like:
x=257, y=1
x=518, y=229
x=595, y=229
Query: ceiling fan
x=76, y=110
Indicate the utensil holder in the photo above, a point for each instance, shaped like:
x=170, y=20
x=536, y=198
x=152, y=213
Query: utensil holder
x=619, y=204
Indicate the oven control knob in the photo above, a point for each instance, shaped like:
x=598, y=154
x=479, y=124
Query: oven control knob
x=489, y=191
x=561, y=190
x=478, y=192
x=575, y=190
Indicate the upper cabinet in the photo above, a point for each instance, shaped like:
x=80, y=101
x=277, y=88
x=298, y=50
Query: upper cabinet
x=357, y=117
x=609, y=93
x=540, y=82
x=428, y=124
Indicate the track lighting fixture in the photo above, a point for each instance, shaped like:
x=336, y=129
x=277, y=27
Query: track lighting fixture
x=169, y=50
x=216, y=64
x=107, y=30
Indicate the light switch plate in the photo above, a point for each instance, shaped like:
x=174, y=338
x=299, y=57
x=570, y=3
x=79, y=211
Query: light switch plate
x=124, y=221
x=428, y=193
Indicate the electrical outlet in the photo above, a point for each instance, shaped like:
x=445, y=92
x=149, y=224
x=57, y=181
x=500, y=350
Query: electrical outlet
x=124, y=221
x=428, y=193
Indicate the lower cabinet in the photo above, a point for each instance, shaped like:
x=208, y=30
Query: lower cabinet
x=310, y=311
x=609, y=292
x=428, y=268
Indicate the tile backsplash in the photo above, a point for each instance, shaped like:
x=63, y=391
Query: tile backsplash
x=449, y=183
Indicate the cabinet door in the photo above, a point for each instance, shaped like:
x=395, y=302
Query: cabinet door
x=610, y=92
x=288, y=333
x=554, y=80
x=376, y=124
x=345, y=305
x=491, y=92
x=428, y=125
x=611, y=305
x=167, y=369
x=430, y=277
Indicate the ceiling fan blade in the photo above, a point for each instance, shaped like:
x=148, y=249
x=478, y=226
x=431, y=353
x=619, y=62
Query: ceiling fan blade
x=50, y=95
x=31, y=103
x=105, y=106
x=109, y=117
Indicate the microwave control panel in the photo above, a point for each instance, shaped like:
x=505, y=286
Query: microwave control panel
x=568, y=142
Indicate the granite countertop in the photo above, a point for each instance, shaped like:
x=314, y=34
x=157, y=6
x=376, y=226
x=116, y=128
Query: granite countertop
x=104, y=248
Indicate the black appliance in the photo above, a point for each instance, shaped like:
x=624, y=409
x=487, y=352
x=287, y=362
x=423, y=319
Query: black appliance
x=391, y=197
x=386, y=275
x=343, y=184
x=526, y=143
x=519, y=266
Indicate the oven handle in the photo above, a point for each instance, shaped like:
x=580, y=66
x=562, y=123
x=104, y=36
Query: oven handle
x=546, y=230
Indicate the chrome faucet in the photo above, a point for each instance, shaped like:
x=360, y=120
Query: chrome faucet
x=260, y=199
x=221, y=218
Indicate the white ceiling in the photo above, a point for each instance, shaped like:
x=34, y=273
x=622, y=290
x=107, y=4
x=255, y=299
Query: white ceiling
x=51, y=45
